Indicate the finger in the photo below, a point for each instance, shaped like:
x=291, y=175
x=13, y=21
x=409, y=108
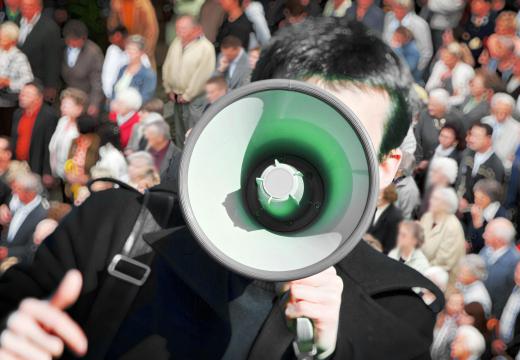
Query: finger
x=6, y=355
x=58, y=322
x=22, y=347
x=316, y=312
x=318, y=279
x=68, y=291
x=20, y=323
x=315, y=295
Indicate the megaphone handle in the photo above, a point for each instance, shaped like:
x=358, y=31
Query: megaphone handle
x=303, y=345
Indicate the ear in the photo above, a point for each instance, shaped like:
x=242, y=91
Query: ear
x=388, y=168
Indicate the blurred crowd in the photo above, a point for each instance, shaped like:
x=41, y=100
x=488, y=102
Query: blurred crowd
x=96, y=95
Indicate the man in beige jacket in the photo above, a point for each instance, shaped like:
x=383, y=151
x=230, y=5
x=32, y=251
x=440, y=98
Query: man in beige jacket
x=189, y=64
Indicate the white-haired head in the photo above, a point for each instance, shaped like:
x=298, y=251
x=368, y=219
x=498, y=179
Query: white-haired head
x=503, y=98
x=440, y=96
x=446, y=166
x=10, y=31
x=500, y=230
x=438, y=276
x=29, y=182
x=130, y=98
x=159, y=128
x=475, y=264
x=468, y=339
x=449, y=198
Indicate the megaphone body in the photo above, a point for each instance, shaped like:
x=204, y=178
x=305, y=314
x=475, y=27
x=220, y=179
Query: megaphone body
x=278, y=180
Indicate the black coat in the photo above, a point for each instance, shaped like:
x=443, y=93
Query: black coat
x=474, y=235
x=380, y=314
x=44, y=127
x=44, y=50
x=385, y=229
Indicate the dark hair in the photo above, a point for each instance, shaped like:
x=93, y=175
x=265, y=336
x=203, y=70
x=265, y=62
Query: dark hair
x=404, y=31
x=86, y=124
x=343, y=52
x=75, y=29
x=491, y=80
x=476, y=310
x=294, y=7
x=37, y=84
x=490, y=187
x=230, y=41
x=154, y=105
x=218, y=80
x=118, y=29
x=459, y=134
x=487, y=127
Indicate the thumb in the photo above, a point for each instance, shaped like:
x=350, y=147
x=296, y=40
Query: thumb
x=68, y=291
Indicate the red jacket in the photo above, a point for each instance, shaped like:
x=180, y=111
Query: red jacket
x=125, y=130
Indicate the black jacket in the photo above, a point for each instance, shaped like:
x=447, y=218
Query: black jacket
x=44, y=127
x=385, y=229
x=186, y=316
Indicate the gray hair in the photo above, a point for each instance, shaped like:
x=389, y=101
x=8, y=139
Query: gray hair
x=450, y=198
x=29, y=182
x=438, y=276
x=503, y=229
x=416, y=229
x=447, y=166
x=490, y=187
x=455, y=49
x=10, y=29
x=160, y=127
x=141, y=158
x=405, y=3
x=473, y=340
x=475, y=264
x=136, y=40
x=503, y=98
x=130, y=97
x=441, y=95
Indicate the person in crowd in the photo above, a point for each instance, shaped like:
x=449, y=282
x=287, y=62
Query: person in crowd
x=479, y=162
x=10, y=11
x=211, y=18
x=6, y=156
x=147, y=115
x=34, y=124
x=452, y=74
x=255, y=13
x=367, y=12
x=166, y=156
x=442, y=16
x=444, y=243
x=439, y=277
x=446, y=326
x=336, y=8
x=136, y=75
x=386, y=219
x=405, y=45
x=41, y=232
x=253, y=56
x=83, y=155
x=125, y=113
x=235, y=24
x=513, y=85
x=442, y=173
x=22, y=219
x=138, y=17
x=506, y=24
x=402, y=14
x=15, y=72
x=468, y=344
x=142, y=172
x=478, y=26
x=451, y=142
x=408, y=250
x=40, y=41
x=501, y=258
x=188, y=65
x=476, y=105
x=111, y=161
x=431, y=121
x=499, y=57
x=82, y=64
x=73, y=104
x=506, y=130
x=471, y=274
x=487, y=194
x=294, y=12
x=408, y=196
x=216, y=87
x=233, y=63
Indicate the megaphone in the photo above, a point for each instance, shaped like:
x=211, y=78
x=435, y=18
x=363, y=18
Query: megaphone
x=278, y=180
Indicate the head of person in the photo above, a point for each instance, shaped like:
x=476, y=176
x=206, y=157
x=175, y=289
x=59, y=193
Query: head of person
x=230, y=47
x=27, y=187
x=295, y=12
x=468, y=344
x=410, y=235
x=73, y=102
x=474, y=315
x=501, y=47
x=454, y=303
x=407, y=165
x=75, y=33
x=451, y=55
x=86, y=124
x=12, y=4
x=438, y=276
x=118, y=35
x=471, y=268
x=157, y=134
x=480, y=137
x=43, y=230
x=253, y=56
x=31, y=95
x=152, y=106
x=216, y=87
x=378, y=91
x=486, y=192
x=502, y=106
x=499, y=233
x=9, y=32
x=480, y=8
x=134, y=48
x=451, y=136
x=444, y=201
x=402, y=35
x=30, y=8
x=141, y=171
x=438, y=103
x=387, y=196
x=505, y=23
x=230, y=5
x=6, y=153
x=187, y=29
x=401, y=8
x=484, y=84
x=365, y=4
x=126, y=101
x=443, y=172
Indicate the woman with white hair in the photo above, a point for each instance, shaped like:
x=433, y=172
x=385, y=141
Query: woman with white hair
x=469, y=344
x=452, y=74
x=124, y=110
x=15, y=72
x=472, y=272
x=444, y=243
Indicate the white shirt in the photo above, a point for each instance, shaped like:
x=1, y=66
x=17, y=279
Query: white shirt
x=20, y=215
x=59, y=145
x=490, y=211
x=480, y=158
x=509, y=315
x=477, y=292
x=26, y=28
x=379, y=211
x=72, y=56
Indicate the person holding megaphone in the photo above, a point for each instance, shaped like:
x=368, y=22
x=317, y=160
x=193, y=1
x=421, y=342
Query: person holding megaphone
x=176, y=292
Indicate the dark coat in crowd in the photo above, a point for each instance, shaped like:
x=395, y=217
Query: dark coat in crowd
x=474, y=235
x=241, y=75
x=385, y=228
x=479, y=111
x=373, y=19
x=43, y=48
x=240, y=28
x=44, y=127
x=492, y=168
x=514, y=345
x=183, y=309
